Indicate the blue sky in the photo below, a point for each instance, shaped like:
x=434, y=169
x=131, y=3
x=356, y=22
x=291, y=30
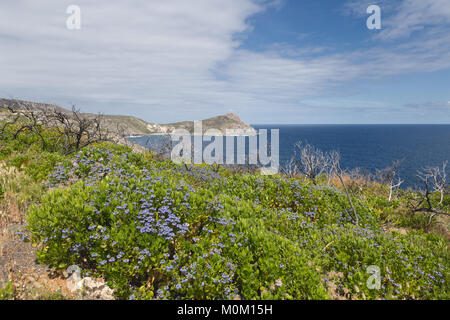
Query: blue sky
x=270, y=61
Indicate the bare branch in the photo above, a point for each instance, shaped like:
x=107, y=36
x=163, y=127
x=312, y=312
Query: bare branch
x=335, y=168
x=74, y=129
x=309, y=161
x=425, y=175
x=436, y=177
x=388, y=176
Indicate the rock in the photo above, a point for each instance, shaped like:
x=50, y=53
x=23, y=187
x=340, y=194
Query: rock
x=96, y=289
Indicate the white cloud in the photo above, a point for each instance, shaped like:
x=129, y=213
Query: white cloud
x=155, y=53
x=415, y=15
x=176, y=59
x=359, y=7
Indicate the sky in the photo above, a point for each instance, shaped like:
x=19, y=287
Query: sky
x=269, y=61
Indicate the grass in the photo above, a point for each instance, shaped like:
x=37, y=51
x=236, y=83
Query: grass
x=7, y=292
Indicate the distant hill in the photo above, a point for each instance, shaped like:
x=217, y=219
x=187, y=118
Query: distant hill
x=229, y=123
x=133, y=126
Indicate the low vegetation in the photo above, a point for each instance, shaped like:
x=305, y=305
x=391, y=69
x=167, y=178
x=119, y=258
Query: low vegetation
x=156, y=230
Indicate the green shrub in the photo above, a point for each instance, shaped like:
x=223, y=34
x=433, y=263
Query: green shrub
x=156, y=230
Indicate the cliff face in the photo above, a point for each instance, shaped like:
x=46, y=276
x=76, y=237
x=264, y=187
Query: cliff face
x=227, y=124
x=129, y=125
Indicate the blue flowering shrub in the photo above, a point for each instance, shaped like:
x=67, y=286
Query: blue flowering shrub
x=156, y=230
x=153, y=235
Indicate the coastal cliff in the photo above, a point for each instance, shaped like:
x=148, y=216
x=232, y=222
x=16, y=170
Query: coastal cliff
x=228, y=124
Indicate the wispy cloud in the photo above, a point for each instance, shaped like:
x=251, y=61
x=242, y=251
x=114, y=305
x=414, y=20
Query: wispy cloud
x=358, y=8
x=416, y=15
x=135, y=56
x=429, y=106
x=401, y=18
x=172, y=60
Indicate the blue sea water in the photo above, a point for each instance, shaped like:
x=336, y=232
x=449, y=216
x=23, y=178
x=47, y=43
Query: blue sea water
x=368, y=146
x=373, y=146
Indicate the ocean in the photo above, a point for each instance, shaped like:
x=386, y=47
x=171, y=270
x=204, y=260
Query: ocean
x=367, y=146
